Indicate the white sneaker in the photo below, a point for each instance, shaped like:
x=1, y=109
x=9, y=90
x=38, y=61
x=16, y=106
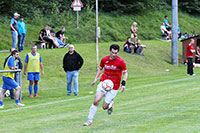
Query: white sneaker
x=1, y=107
x=110, y=108
x=19, y=104
x=87, y=123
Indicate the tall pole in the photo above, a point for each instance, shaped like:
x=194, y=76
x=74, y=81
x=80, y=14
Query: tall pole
x=97, y=39
x=77, y=18
x=175, y=32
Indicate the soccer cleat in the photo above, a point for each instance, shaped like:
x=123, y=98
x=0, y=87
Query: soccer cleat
x=19, y=104
x=87, y=123
x=110, y=108
x=1, y=107
x=31, y=96
x=36, y=95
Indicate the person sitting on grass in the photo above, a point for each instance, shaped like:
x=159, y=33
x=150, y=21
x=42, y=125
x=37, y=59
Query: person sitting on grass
x=139, y=48
x=165, y=32
x=134, y=30
x=129, y=46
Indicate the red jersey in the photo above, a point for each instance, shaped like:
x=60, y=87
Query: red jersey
x=113, y=70
x=189, y=53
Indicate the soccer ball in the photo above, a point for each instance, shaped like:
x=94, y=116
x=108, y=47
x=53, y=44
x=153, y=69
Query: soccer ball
x=7, y=94
x=107, y=85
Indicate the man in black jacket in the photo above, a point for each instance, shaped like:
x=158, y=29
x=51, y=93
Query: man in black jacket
x=72, y=62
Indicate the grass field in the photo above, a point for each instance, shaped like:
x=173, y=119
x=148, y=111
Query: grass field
x=154, y=101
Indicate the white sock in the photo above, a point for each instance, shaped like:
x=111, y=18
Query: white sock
x=93, y=110
x=110, y=105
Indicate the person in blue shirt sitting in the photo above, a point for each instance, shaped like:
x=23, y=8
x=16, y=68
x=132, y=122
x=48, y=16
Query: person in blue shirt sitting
x=167, y=25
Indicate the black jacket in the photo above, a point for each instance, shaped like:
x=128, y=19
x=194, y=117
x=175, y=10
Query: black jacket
x=72, y=62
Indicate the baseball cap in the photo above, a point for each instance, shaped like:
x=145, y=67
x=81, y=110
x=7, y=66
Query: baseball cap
x=16, y=14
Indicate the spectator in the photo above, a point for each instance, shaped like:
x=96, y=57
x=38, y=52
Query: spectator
x=43, y=36
x=72, y=62
x=139, y=48
x=8, y=79
x=46, y=36
x=134, y=30
x=197, y=56
x=165, y=32
x=167, y=25
x=14, y=29
x=19, y=66
x=33, y=63
x=22, y=33
x=60, y=35
x=190, y=51
x=129, y=46
x=52, y=32
x=179, y=32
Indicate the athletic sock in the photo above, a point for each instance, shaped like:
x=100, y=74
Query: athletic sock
x=30, y=89
x=93, y=110
x=110, y=105
x=1, y=103
x=16, y=101
x=35, y=89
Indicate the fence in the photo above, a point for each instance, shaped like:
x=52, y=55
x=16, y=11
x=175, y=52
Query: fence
x=19, y=79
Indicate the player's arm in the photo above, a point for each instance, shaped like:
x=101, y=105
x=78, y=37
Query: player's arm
x=192, y=50
x=123, y=83
x=13, y=68
x=42, y=68
x=25, y=68
x=99, y=71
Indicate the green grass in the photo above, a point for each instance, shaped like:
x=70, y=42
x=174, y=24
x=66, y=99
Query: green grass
x=155, y=100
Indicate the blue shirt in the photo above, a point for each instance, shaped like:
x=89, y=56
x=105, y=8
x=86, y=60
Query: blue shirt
x=21, y=27
x=18, y=62
x=27, y=58
x=12, y=21
x=14, y=24
x=11, y=62
x=165, y=21
x=179, y=29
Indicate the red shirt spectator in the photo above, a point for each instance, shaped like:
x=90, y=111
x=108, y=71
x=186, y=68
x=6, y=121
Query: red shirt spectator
x=189, y=48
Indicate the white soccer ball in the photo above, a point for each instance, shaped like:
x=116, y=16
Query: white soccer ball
x=107, y=85
x=7, y=94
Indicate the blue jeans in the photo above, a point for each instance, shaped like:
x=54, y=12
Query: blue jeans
x=72, y=75
x=59, y=41
x=14, y=38
x=21, y=42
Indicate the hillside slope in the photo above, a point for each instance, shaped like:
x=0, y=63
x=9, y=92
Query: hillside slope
x=114, y=27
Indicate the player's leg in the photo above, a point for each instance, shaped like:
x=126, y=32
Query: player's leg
x=99, y=95
x=36, y=89
x=108, y=102
x=36, y=80
x=30, y=77
x=17, y=93
x=75, y=81
x=30, y=87
x=69, y=82
x=3, y=91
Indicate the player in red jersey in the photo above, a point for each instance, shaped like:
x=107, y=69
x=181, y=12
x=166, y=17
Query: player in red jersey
x=113, y=67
